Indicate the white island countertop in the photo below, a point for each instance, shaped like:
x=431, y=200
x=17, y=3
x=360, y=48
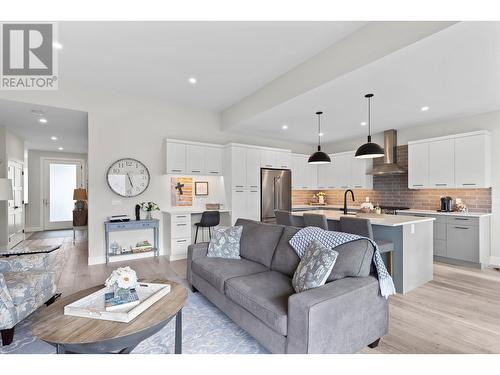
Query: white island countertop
x=431, y=212
x=383, y=220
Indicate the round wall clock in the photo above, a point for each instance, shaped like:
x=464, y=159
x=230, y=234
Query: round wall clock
x=128, y=177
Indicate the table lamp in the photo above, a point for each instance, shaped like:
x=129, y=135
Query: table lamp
x=80, y=196
x=6, y=189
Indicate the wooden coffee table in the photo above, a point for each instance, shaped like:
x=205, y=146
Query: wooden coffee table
x=71, y=334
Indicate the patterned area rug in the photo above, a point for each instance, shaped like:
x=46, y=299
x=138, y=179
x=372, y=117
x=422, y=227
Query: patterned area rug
x=206, y=330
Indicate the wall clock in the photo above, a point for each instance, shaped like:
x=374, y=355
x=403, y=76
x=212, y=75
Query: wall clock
x=128, y=177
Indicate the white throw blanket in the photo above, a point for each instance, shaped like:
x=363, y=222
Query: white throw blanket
x=332, y=239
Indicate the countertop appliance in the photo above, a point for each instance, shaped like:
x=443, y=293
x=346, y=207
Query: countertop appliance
x=446, y=203
x=276, y=193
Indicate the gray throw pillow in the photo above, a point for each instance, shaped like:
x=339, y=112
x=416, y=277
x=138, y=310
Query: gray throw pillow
x=225, y=242
x=314, y=267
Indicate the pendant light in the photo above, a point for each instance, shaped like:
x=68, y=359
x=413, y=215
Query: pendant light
x=369, y=150
x=319, y=157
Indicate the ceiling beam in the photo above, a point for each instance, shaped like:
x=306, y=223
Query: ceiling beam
x=364, y=46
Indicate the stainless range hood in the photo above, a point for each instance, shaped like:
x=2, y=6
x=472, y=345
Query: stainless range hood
x=390, y=162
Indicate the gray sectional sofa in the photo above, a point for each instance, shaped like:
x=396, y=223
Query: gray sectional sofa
x=342, y=316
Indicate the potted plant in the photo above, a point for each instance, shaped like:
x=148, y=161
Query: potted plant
x=321, y=197
x=149, y=207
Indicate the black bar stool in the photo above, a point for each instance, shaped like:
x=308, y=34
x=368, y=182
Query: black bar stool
x=208, y=219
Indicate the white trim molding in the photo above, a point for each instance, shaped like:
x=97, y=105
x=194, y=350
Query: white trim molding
x=495, y=261
x=33, y=229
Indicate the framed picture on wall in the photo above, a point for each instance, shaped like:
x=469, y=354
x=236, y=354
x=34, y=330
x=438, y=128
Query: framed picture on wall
x=201, y=188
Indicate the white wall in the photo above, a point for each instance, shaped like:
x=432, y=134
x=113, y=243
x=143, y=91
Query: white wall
x=123, y=126
x=34, y=221
x=487, y=121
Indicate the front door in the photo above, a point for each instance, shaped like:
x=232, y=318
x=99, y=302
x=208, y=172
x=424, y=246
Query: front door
x=61, y=178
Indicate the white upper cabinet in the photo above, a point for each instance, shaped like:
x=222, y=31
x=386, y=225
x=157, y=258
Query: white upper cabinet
x=359, y=178
x=213, y=161
x=268, y=159
x=442, y=164
x=473, y=161
x=176, y=157
x=238, y=167
x=195, y=159
x=418, y=165
x=457, y=161
x=342, y=169
x=304, y=175
x=323, y=175
x=311, y=176
x=283, y=159
x=252, y=168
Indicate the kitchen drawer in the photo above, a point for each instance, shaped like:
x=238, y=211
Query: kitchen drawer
x=439, y=231
x=465, y=220
x=181, y=230
x=463, y=242
x=181, y=218
x=439, y=248
x=180, y=245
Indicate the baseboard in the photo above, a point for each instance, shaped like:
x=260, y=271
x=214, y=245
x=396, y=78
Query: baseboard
x=172, y=258
x=33, y=229
x=495, y=261
x=96, y=260
x=123, y=258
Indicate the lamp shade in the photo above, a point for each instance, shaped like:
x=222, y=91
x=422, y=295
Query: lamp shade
x=319, y=157
x=80, y=194
x=6, y=189
x=369, y=150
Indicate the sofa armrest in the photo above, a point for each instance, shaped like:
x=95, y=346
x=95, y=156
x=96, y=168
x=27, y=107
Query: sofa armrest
x=342, y=316
x=196, y=250
x=7, y=309
x=25, y=262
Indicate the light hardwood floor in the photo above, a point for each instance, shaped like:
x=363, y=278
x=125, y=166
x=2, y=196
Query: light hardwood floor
x=457, y=312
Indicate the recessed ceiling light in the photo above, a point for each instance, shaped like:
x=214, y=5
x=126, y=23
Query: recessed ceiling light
x=53, y=138
x=284, y=127
x=60, y=148
x=363, y=123
x=57, y=45
x=192, y=80
x=321, y=134
x=43, y=120
x=424, y=108
x=37, y=112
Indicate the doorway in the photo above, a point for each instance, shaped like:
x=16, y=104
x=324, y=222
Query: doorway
x=60, y=178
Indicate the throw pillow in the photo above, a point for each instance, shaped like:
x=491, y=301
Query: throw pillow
x=314, y=267
x=225, y=242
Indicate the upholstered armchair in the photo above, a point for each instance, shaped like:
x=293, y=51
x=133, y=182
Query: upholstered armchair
x=26, y=283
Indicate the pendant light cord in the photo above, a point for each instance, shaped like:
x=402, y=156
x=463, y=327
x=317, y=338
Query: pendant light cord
x=319, y=131
x=369, y=97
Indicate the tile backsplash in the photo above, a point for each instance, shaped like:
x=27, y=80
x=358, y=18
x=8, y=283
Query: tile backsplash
x=392, y=190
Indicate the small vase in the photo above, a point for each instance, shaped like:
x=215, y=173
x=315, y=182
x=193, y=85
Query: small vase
x=321, y=199
x=148, y=215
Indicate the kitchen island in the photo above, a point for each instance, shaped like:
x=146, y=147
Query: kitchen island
x=413, y=244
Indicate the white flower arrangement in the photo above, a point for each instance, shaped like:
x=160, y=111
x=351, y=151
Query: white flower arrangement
x=149, y=206
x=123, y=278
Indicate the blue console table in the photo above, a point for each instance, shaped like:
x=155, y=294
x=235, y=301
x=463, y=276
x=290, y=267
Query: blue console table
x=133, y=225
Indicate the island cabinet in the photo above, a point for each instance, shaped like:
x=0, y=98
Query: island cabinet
x=458, y=161
x=460, y=239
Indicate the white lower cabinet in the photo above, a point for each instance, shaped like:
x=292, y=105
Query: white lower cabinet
x=177, y=230
x=245, y=204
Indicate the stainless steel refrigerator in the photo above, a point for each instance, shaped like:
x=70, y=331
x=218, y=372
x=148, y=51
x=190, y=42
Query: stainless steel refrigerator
x=276, y=193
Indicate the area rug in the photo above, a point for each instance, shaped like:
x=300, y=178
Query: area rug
x=206, y=330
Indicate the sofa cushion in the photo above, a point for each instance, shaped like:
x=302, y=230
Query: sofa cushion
x=225, y=243
x=355, y=259
x=217, y=270
x=259, y=240
x=285, y=259
x=24, y=286
x=264, y=295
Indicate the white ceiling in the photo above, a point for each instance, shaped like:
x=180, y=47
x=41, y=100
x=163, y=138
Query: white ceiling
x=455, y=72
x=155, y=59
x=70, y=127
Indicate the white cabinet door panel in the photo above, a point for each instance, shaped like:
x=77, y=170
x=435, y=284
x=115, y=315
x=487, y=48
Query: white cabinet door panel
x=343, y=170
x=213, y=161
x=418, y=165
x=470, y=163
x=195, y=159
x=238, y=205
x=176, y=157
x=238, y=168
x=359, y=178
x=252, y=168
x=283, y=159
x=268, y=158
x=253, y=204
x=442, y=164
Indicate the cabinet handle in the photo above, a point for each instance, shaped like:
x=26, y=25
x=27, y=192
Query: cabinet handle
x=284, y=166
x=253, y=186
x=238, y=186
x=358, y=186
x=254, y=191
x=469, y=184
x=304, y=187
x=195, y=171
x=180, y=216
x=418, y=185
x=344, y=187
x=331, y=187
x=461, y=218
x=181, y=225
x=441, y=184
x=461, y=228
x=176, y=170
x=239, y=191
x=181, y=240
x=213, y=172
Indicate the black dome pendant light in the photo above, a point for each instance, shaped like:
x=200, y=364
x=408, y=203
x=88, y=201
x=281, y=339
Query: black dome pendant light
x=319, y=157
x=369, y=150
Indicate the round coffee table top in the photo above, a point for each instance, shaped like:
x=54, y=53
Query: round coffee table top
x=53, y=326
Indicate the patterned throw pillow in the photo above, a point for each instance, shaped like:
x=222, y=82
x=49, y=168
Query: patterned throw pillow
x=225, y=242
x=314, y=267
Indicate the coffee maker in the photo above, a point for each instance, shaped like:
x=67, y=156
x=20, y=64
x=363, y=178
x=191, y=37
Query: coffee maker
x=446, y=203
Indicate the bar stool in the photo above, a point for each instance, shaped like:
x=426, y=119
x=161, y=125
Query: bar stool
x=315, y=220
x=208, y=219
x=363, y=227
x=287, y=218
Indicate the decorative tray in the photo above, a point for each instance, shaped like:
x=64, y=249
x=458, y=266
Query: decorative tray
x=92, y=306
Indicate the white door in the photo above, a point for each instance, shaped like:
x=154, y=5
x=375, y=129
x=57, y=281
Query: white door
x=60, y=178
x=442, y=164
x=16, y=206
x=418, y=165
